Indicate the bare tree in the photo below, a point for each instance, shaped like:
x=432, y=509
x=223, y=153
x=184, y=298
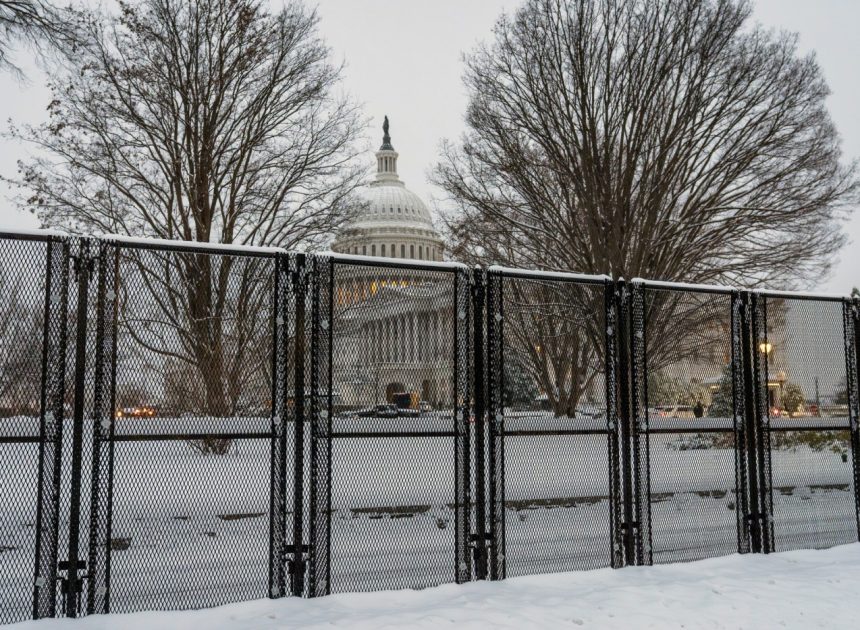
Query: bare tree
x=550, y=334
x=212, y=121
x=671, y=140
x=209, y=120
x=217, y=324
x=35, y=23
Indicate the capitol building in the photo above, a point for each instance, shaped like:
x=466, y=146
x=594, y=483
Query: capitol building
x=394, y=325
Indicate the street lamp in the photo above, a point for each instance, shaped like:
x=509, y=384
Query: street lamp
x=780, y=378
x=766, y=347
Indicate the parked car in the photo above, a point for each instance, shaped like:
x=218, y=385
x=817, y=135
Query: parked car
x=673, y=411
x=380, y=411
x=143, y=411
x=588, y=410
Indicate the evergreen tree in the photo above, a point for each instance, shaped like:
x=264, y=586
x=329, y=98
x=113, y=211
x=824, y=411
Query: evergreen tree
x=519, y=386
x=722, y=402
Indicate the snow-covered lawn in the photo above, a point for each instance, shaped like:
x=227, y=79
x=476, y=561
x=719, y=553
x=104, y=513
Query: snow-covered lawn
x=795, y=589
x=190, y=530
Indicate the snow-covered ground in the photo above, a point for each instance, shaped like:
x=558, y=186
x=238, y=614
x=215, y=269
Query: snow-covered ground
x=796, y=589
x=191, y=530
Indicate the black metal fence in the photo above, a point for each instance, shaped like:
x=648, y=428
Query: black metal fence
x=186, y=425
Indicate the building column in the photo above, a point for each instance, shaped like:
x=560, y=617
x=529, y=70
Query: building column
x=387, y=344
x=403, y=351
x=416, y=344
x=437, y=336
x=374, y=341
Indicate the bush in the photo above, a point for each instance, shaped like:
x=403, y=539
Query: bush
x=211, y=445
x=835, y=441
x=792, y=398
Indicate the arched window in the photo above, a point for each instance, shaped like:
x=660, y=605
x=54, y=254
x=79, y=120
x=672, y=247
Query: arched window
x=412, y=250
x=364, y=249
x=383, y=249
x=373, y=250
x=421, y=252
x=402, y=250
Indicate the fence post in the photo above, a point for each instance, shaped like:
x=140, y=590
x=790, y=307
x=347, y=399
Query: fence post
x=322, y=314
x=279, y=389
x=741, y=392
x=751, y=373
x=479, y=536
x=296, y=563
x=51, y=428
x=71, y=586
x=495, y=412
x=614, y=421
x=851, y=320
x=460, y=401
x=628, y=521
x=764, y=496
x=104, y=394
x=639, y=425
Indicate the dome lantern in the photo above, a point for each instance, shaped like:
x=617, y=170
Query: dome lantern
x=386, y=158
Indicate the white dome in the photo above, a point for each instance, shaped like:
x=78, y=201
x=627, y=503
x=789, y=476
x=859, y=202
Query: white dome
x=395, y=218
x=391, y=204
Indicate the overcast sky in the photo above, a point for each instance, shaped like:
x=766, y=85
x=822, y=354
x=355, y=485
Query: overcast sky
x=403, y=58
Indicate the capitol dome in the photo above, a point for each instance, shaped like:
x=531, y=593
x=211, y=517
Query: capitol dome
x=395, y=223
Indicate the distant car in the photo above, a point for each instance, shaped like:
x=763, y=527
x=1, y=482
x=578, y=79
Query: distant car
x=379, y=411
x=673, y=411
x=387, y=411
x=425, y=406
x=590, y=411
x=143, y=411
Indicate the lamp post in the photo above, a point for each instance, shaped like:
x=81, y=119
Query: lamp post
x=766, y=347
x=780, y=378
x=817, y=398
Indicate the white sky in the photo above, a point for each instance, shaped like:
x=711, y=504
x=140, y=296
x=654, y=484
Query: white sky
x=404, y=59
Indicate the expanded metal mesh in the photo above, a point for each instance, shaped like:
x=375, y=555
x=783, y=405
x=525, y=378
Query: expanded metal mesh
x=184, y=427
x=192, y=428
x=32, y=333
x=812, y=475
x=396, y=390
x=689, y=398
x=552, y=399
